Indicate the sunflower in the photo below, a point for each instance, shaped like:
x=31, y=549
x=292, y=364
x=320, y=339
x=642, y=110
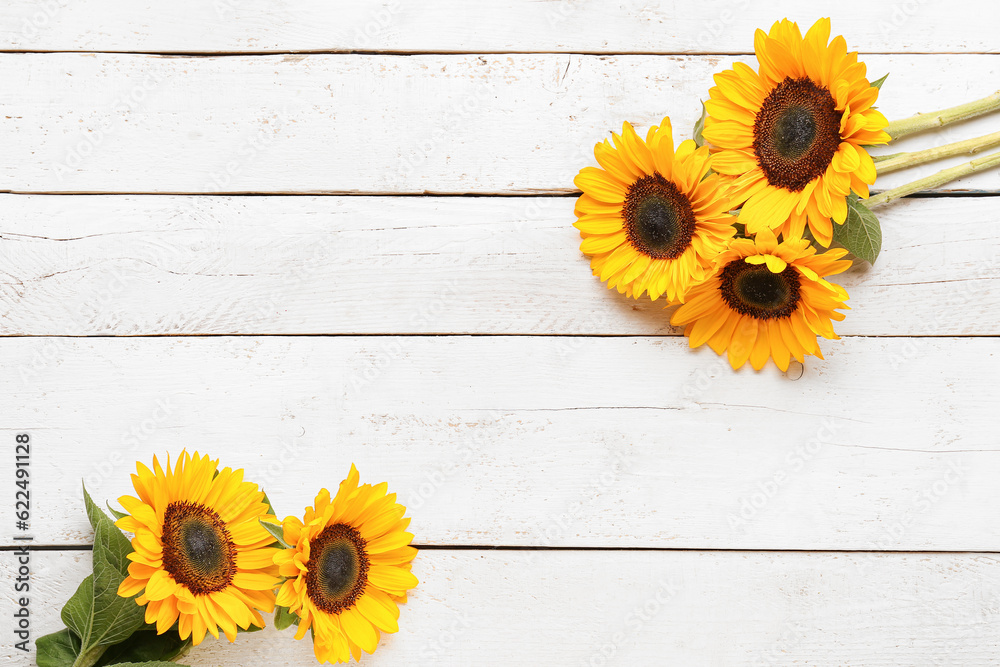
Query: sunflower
x=347, y=567
x=791, y=136
x=766, y=299
x=650, y=219
x=200, y=556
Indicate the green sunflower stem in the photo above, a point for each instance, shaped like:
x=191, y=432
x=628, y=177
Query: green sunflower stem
x=934, y=119
x=936, y=180
x=899, y=161
x=90, y=657
x=882, y=158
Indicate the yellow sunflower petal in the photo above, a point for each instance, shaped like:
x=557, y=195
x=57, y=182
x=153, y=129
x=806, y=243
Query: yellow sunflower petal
x=359, y=630
x=367, y=521
x=727, y=312
x=130, y=587
x=599, y=224
x=160, y=585
x=761, y=351
x=600, y=185
x=779, y=350
x=595, y=245
x=776, y=170
x=186, y=495
x=742, y=343
x=775, y=264
x=391, y=578
x=377, y=614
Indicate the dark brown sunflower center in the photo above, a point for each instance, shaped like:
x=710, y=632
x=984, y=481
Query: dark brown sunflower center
x=337, y=568
x=796, y=133
x=197, y=549
x=658, y=218
x=751, y=289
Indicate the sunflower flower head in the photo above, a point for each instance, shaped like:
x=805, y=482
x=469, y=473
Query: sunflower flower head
x=766, y=300
x=201, y=558
x=651, y=220
x=791, y=135
x=347, y=567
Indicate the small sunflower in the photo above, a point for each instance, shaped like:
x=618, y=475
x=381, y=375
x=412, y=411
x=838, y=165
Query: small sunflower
x=201, y=557
x=766, y=299
x=347, y=568
x=792, y=135
x=650, y=219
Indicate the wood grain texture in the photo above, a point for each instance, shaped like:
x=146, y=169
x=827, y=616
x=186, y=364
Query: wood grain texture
x=538, y=441
x=140, y=265
x=509, y=124
x=634, y=26
x=669, y=608
x=599, y=439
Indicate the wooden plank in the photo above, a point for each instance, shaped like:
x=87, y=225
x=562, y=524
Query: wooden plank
x=658, y=26
x=140, y=265
x=377, y=124
x=676, y=608
x=890, y=444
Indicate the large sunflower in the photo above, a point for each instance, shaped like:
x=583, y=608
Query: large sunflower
x=792, y=134
x=766, y=299
x=650, y=219
x=348, y=566
x=201, y=557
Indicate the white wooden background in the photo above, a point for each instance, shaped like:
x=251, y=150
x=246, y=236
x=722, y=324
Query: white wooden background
x=303, y=234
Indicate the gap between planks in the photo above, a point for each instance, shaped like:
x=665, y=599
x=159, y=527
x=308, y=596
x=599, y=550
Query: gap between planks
x=540, y=193
x=451, y=334
x=464, y=52
x=538, y=115
x=486, y=547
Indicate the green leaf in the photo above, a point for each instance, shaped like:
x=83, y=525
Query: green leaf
x=878, y=84
x=861, y=233
x=94, y=513
x=76, y=612
x=276, y=532
x=58, y=649
x=96, y=613
x=284, y=618
x=270, y=507
x=145, y=645
x=148, y=663
x=699, y=127
x=115, y=617
x=115, y=513
x=111, y=542
x=112, y=547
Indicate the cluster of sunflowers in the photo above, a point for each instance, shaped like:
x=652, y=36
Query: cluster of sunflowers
x=209, y=556
x=784, y=148
x=719, y=225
